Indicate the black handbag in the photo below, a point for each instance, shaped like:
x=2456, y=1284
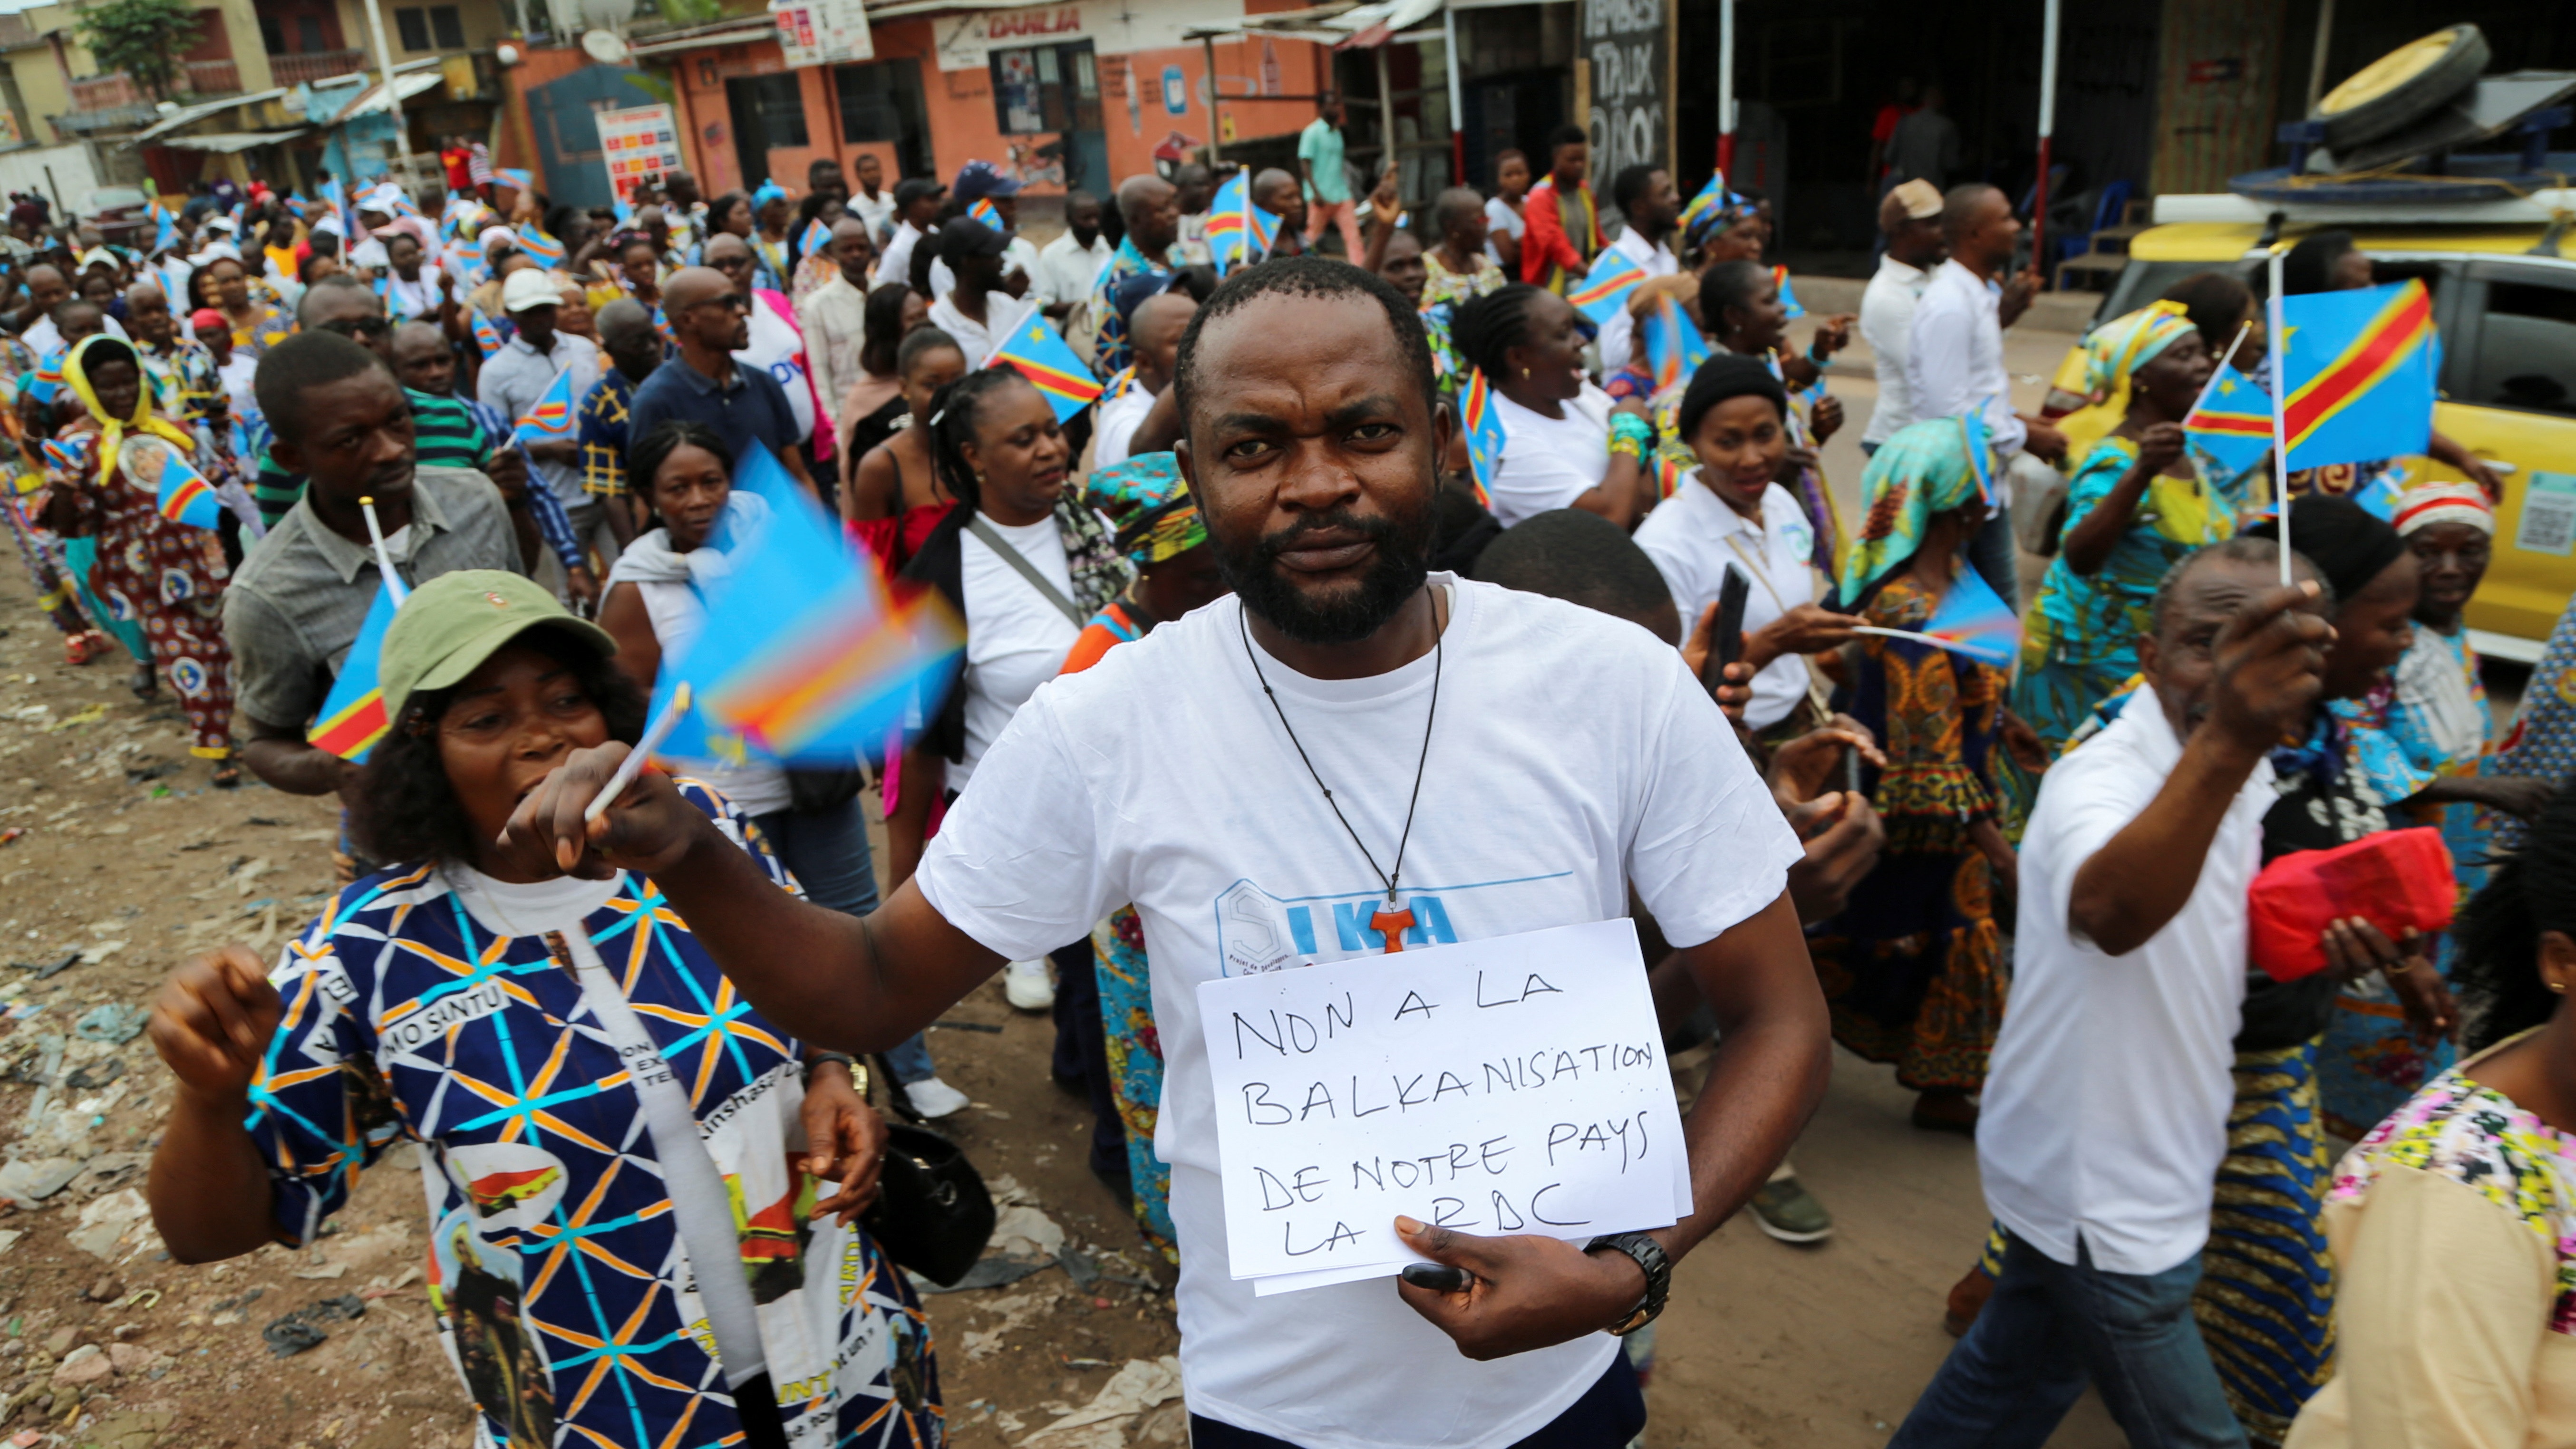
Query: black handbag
x=932, y=1214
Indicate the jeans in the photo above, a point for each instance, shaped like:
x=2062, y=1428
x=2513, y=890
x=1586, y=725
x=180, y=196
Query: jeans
x=2048, y=1328
x=1993, y=554
x=828, y=852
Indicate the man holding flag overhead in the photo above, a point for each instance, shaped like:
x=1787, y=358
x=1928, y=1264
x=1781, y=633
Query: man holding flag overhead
x=1186, y=773
x=301, y=597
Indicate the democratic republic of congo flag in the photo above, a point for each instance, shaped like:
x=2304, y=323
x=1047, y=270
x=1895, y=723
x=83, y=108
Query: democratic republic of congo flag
x=806, y=656
x=1712, y=195
x=814, y=240
x=546, y=251
x=487, y=336
x=983, y=210
x=2233, y=421
x=1975, y=621
x=352, y=718
x=1674, y=348
x=1239, y=231
x=1041, y=356
x=2358, y=371
x=1788, y=294
x=551, y=420
x=1483, y=424
x=1604, y=290
x=185, y=496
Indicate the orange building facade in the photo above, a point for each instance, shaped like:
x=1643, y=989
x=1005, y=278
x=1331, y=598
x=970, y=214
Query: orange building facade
x=1079, y=94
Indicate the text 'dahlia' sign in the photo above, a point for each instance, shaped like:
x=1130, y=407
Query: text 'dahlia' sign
x=1513, y=1085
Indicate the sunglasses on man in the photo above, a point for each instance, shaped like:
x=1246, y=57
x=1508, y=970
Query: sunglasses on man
x=354, y=327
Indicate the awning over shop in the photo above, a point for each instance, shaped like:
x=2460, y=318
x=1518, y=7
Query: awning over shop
x=731, y=32
x=190, y=115
x=1343, y=26
x=373, y=98
x=228, y=142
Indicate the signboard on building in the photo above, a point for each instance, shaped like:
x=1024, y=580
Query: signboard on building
x=822, y=32
x=639, y=143
x=1630, y=46
x=1114, y=27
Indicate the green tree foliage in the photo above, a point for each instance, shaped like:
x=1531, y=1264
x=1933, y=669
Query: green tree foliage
x=143, y=38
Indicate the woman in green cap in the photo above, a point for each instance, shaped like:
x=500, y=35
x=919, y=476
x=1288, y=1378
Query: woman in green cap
x=640, y=1190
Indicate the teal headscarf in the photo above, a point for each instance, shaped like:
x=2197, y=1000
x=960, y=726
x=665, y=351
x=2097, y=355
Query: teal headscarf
x=1926, y=468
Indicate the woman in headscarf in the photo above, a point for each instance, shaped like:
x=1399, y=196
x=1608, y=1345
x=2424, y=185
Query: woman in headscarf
x=1913, y=968
x=1159, y=529
x=618, y=1152
x=2135, y=505
x=167, y=575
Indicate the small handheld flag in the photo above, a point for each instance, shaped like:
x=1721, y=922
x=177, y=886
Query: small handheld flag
x=514, y=178
x=544, y=249
x=1674, y=348
x=168, y=234
x=817, y=239
x=551, y=420
x=1604, y=290
x=1712, y=195
x=1239, y=230
x=1788, y=294
x=805, y=655
x=1485, y=436
x=488, y=337
x=1035, y=349
x=676, y=710
x=983, y=210
x=1971, y=620
x=352, y=717
x=2357, y=372
x=2231, y=422
x=180, y=492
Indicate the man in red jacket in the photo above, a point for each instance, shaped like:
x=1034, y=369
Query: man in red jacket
x=1564, y=223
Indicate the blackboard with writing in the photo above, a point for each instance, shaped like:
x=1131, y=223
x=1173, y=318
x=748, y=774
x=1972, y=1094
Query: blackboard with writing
x=1629, y=44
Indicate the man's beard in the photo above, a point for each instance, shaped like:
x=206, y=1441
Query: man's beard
x=1352, y=613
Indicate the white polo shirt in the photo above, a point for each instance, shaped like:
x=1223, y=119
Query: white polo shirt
x=1693, y=536
x=2106, y=1102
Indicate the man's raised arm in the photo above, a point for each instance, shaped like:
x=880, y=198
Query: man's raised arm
x=838, y=982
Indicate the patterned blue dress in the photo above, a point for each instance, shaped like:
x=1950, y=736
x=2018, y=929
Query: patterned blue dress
x=566, y=1298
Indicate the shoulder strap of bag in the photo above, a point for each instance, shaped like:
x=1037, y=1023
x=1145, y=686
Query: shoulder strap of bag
x=1020, y=564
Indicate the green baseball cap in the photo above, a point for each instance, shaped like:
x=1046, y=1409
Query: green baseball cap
x=451, y=624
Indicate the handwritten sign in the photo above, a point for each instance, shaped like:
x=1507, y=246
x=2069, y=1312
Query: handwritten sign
x=1513, y=1085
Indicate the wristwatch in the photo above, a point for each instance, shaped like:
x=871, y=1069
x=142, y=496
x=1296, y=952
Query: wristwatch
x=1658, y=1268
x=858, y=1074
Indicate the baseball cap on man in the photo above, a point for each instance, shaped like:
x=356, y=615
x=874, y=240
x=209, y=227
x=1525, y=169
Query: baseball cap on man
x=530, y=288
x=978, y=179
x=966, y=237
x=454, y=622
x=915, y=188
x=1913, y=200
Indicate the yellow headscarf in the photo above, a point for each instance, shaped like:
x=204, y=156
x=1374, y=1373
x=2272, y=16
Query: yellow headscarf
x=2113, y=353
x=111, y=431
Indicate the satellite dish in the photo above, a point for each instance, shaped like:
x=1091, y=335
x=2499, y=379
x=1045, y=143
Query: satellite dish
x=604, y=46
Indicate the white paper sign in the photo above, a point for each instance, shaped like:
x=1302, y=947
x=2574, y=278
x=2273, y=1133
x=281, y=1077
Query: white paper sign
x=1512, y=1085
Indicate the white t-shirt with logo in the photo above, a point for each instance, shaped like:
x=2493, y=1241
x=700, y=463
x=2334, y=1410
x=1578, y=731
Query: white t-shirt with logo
x=1692, y=537
x=1572, y=757
x=778, y=348
x=1015, y=639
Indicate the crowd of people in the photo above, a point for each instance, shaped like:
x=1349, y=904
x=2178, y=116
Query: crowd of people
x=1206, y=623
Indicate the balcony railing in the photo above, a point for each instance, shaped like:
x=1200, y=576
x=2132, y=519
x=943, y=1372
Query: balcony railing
x=210, y=77
x=105, y=92
x=298, y=67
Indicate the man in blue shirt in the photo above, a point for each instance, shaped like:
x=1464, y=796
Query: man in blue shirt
x=745, y=405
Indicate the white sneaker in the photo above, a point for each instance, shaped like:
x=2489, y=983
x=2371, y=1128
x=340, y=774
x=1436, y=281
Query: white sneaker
x=932, y=1097
x=1028, y=986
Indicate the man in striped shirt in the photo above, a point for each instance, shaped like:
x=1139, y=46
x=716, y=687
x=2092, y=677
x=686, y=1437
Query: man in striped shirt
x=635, y=348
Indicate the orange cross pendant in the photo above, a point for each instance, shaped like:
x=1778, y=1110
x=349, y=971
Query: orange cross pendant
x=1392, y=925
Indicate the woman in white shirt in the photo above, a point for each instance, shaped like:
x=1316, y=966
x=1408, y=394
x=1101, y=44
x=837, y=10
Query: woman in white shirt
x=1503, y=224
x=1729, y=513
x=656, y=605
x=1566, y=444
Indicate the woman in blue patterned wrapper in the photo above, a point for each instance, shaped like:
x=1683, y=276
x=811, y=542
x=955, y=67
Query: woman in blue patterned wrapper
x=641, y=1191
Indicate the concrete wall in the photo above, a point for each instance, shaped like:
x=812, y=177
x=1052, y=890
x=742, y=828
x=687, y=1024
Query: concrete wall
x=71, y=177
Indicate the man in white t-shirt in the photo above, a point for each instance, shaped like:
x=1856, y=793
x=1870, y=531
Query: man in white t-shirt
x=1909, y=216
x=1069, y=266
x=1651, y=207
x=916, y=204
x=2106, y=1105
x=1170, y=775
x=1156, y=332
x=872, y=203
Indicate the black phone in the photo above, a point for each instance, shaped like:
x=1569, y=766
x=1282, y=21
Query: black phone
x=1726, y=636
